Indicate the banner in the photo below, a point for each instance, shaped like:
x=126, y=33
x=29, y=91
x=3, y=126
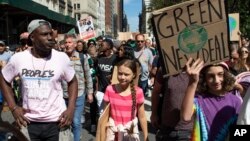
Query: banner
x=234, y=26
x=124, y=36
x=86, y=28
x=196, y=29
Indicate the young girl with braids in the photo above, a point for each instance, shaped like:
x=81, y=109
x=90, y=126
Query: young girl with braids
x=126, y=104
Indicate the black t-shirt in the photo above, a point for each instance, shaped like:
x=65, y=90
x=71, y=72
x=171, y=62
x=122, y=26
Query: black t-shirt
x=104, y=71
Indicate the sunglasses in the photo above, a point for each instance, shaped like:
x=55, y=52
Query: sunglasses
x=244, y=51
x=140, y=41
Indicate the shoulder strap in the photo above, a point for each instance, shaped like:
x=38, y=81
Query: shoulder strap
x=81, y=55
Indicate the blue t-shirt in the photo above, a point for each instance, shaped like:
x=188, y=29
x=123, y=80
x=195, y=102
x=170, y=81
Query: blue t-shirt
x=5, y=56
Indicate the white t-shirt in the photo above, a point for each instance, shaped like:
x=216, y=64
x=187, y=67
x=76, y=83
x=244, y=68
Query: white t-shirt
x=41, y=83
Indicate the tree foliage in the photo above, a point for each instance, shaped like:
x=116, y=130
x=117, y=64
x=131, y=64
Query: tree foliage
x=242, y=7
x=233, y=6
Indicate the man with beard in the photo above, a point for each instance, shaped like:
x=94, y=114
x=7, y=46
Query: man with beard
x=41, y=70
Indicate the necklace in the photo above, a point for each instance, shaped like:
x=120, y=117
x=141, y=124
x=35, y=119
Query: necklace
x=39, y=79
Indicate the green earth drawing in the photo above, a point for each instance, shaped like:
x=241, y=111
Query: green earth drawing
x=192, y=38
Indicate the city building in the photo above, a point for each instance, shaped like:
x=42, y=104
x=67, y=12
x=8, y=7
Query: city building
x=100, y=29
x=109, y=12
x=144, y=17
x=15, y=16
x=85, y=8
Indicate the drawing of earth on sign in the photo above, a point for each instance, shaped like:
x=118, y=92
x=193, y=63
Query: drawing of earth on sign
x=232, y=24
x=192, y=38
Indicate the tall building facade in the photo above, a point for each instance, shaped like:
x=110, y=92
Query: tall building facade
x=144, y=16
x=148, y=14
x=15, y=15
x=121, y=12
x=109, y=12
x=64, y=7
x=120, y=22
x=100, y=29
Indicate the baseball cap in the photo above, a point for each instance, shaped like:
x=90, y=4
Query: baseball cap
x=33, y=25
x=2, y=43
x=91, y=41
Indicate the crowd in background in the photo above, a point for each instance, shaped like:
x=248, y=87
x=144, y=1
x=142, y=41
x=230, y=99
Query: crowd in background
x=95, y=60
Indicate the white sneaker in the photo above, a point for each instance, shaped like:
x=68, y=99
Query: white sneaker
x=93, y=128
x=82, y=119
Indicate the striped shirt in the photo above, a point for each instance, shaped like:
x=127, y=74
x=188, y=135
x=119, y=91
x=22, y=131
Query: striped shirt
x=121, y=106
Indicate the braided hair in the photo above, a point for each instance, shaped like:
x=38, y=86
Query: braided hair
x=131, y=63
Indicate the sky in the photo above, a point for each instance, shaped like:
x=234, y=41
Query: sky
x=132, y=9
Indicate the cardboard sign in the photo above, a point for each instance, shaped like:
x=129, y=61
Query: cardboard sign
x=196, y=28
x=86, y=28
x=124, y=36
x=234, y=26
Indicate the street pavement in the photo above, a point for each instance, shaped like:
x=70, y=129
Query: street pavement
x=86, y=134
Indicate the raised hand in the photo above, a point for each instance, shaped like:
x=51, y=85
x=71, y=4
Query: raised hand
x=193, y=69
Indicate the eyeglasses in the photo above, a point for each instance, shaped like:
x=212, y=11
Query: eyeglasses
x=244, y=51
x=140, y=41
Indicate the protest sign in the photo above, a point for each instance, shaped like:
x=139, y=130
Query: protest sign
x=86, y=28
x=234, y=26
x=196, y=28
x=124, y=36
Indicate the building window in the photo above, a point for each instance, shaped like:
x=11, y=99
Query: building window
x=70, y=13
x=75, y=6
x=78, y=6
x=77, y=16
x=61, y=10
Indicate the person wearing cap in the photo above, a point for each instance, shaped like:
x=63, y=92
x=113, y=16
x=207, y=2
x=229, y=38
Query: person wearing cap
x=210, y=99
x=92, y=50
x=4, y=58
x=41, y=70
x=4, y=55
